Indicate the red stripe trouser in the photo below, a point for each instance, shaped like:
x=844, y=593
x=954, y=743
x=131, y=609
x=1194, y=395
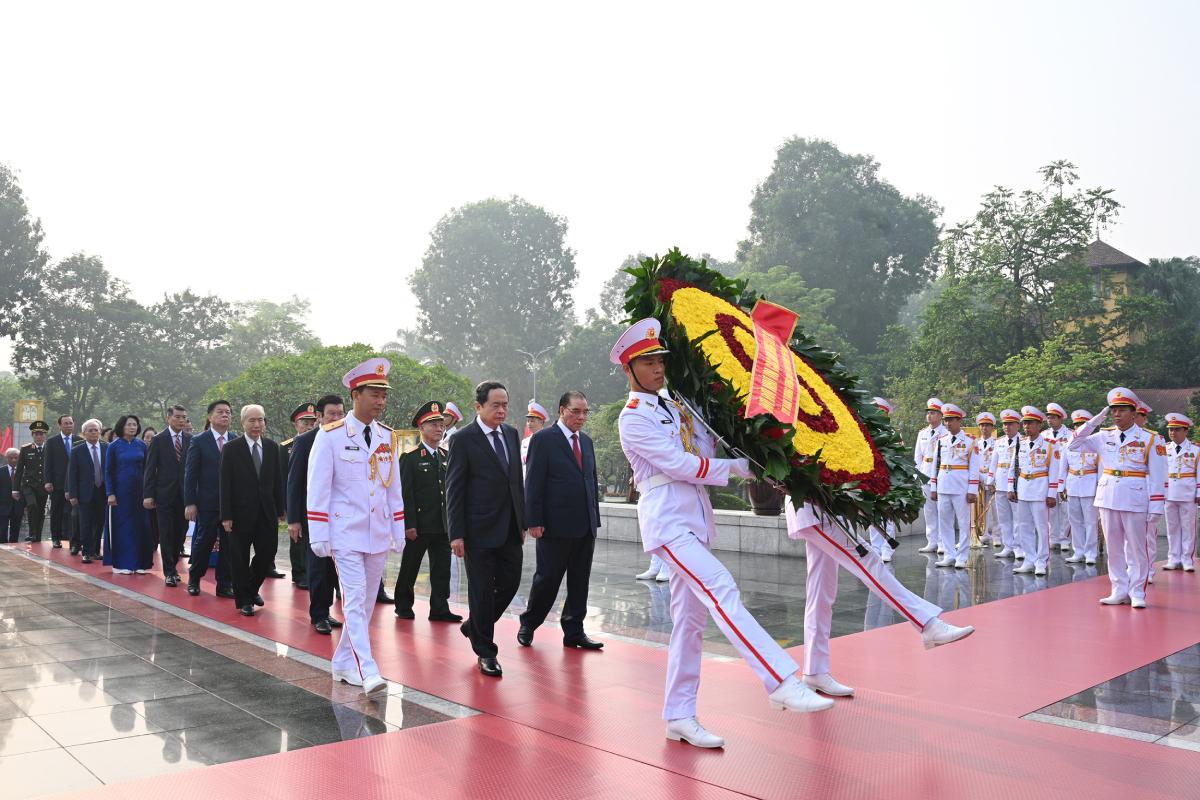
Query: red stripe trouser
x=358, y=574
x=701, y=587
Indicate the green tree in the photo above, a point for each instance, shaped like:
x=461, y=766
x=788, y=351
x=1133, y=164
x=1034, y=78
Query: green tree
x=22, y=259
x=830, y=218
x=611, y=465
x=262, y=329
x=582, y=364
x=280, y=383
x=1160, y=320
x=1065, y=369
x=497, y=278
x=70, y=350
x=817, y=307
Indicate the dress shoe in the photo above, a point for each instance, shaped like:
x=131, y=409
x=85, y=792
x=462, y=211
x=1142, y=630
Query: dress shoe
x=322, y=627
x=445, y=616
x=301, y=585
x=691, y=731
x=583, y=643
x=465, y=629
x=1075, y=559
x=663, y=575
x=373, y=683
x=938, y=632
x=1091, y=562
x=886, y=558
x=945, y=562
x=141, y=571
x=276, y=574
x=333, y=623
x=246, y=611
x=648, y=575
x=941, y=550
x=1137, y=602
x=793, y=695
x=490, y=667
x=1169, y=565
x=1040, y=572
x=193, y=589
x=1189, y=568
x=57, y=545
x=825, y=684
x=29, y=538
x=225, y=593
x=405, y=614
x=929, y=548
x=1005, y=553
x=258, y=600
x=1024, y=569
x=960, y=565
x=87, y=560
x=525, y=636
x=384, y=598
x=345, y=676
x=172, y=580
x=1114, y=600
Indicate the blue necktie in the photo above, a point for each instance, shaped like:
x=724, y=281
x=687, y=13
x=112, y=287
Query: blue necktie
x=499, y=448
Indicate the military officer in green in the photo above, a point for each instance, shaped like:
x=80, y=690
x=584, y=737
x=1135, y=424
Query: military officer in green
x=30, y=479
x=304, y=418
x=423, y=482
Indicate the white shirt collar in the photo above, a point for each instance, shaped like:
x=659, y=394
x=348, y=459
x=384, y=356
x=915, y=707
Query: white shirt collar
x=483, y=426
x=566, y=431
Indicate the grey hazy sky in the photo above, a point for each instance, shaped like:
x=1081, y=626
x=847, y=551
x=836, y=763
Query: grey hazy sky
x=263, y=149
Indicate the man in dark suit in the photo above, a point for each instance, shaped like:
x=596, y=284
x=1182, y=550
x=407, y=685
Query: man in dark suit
x=251, y=506
x=202, y=498
x=85, y=485
x=30, y=479
x=10, y=499
x=58, y=455
x=162, y=488
x=563, y=513
x=485, y=502
x=304, y=419
x=322, y=576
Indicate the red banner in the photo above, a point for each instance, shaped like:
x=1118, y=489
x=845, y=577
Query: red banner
x=6, y=441
x=774, y=385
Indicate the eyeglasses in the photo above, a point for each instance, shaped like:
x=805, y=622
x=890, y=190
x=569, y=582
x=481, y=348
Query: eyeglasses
x=578, y=412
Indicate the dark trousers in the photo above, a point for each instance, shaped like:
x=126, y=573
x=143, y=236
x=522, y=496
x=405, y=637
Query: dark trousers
x=438, y=547
x=60, y=516
x=90, y=518
x=493, y=576
x=10, y=526
x=262, y=534
x=322, y=579
x=557, y=557
x=172, y=530
x=35, y=510
x=298, y=555
x=208, y=534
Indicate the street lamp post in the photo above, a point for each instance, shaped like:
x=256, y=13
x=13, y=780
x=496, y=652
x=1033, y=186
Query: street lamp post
x=531, y=361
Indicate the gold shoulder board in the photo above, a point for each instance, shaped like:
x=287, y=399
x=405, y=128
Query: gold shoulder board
x=333, y=426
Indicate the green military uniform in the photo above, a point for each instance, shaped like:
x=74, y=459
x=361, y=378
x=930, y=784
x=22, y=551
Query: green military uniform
x=298, y=550
x=29, y=479
x=423, y=483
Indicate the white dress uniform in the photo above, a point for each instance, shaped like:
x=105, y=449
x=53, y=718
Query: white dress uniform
x=923, y=456
x=825, y=550
x=1129, y=494
x=987, y=482
x=1000, y=470
x=1082, y=475
x=956, y=477
x=879, y=541
x=356, y=510
x=1059, y=517
x=535, y=410
x=1036, y=479
x=1183, y=492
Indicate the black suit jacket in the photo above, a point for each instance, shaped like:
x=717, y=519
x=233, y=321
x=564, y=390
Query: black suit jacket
x=244, y=495
x=6, y=501
x=162, y=477
x=559, y=496
x=480, y=498
x=56, y=460
x=297, y=477
x=202, y=471
x=81, y=480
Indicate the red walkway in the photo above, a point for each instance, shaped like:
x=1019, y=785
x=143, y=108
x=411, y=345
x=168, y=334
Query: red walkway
x=564, y=723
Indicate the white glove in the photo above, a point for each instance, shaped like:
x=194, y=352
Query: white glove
x=321, y=549
x=741, y=468
x=396, y=545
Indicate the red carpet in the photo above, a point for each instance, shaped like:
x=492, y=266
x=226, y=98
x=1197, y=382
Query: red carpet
x=940, y=723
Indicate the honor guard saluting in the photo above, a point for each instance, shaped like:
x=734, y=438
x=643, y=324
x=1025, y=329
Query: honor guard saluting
x=423, y=477
x=30, y=479
x=672, y=462
x=1130, y=494
x=356, y=512
x=1033, y=485
x=984, y=514
x=535, y=420
x=878, y=541
x=999, y=470
x=1083, y=473
x=923, y=456
x=304, y=418
x=1183, y=493
x=954, y=486
x=1058, y=433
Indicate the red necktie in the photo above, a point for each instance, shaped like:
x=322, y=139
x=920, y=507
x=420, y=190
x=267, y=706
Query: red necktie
x=575, y=447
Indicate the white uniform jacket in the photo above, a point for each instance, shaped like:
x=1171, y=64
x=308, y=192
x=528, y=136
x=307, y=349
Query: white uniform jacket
x=1000, y=461
x=1038, y=469
x=923, y=452
x=957, y=464
x=354, y=498
x=983, y=453
x=1181, y=471
x=1133, y=468
x=1061, y=438
x=670, y=480
x=1083, y=473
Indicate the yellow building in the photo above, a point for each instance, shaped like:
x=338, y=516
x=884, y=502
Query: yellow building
x=1112, y=275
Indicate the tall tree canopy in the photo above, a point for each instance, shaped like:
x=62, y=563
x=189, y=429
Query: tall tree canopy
x=22, y=258
x=1160, y=318
x=497, y=278
x=830, y=218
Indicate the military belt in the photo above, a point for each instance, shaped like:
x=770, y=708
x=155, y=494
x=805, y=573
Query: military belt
x=1029, y=476
x=1124, y=473
x=1181, y=475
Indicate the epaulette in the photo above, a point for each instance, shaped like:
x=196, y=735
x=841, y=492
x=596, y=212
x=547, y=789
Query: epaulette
x=385, y=427
x=286, y=442
x=633, y=402
x=27, y=446
x=333, y=426
x=972, y=436
x=1109, y=428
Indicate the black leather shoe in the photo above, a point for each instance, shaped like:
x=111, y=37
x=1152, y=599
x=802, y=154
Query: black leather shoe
x=403, y=614
x=57, y=545
x=384, y=598
x=258, y=601
x=74, y=551
x=323, y=627
x=276, y=574
x=301, y=585
x=525, y=636
x=464, y=629
x=246, y=611
x=225, y=593
x=172, y=580
x=87, y=560
x=193, y=589
x=490, y=667
x=445, y=616
x=333, y=623
x=583, y=643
